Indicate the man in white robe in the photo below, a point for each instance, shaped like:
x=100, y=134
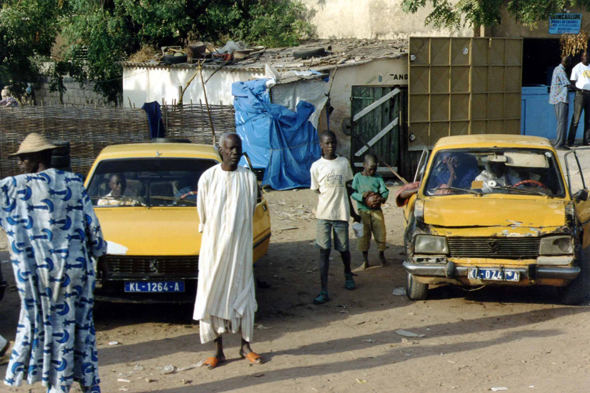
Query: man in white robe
x=226, y=299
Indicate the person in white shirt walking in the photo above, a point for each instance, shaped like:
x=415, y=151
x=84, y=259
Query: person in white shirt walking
x=329, y=176
x=559, y=99
x=581, y=79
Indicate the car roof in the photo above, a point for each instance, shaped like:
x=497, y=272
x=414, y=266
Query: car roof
x=491, y=140
x=159, y=150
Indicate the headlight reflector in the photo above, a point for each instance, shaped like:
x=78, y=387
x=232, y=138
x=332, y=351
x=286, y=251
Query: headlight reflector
x=557, y=245
x=428, y=244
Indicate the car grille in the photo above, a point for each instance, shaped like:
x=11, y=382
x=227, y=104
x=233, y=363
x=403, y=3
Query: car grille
x=154, y=265
x=490, y=247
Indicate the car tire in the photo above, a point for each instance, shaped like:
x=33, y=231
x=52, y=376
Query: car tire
x=577, y=290
x=416, y=290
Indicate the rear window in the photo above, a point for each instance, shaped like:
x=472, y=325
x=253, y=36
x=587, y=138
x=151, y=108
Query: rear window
x=147, y=182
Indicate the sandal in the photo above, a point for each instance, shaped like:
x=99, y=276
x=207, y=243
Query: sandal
x=322, y=298
x=211, y=363
x=253, y=357
x=349, y=284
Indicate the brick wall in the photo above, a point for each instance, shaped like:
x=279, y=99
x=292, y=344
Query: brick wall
x=76, y=94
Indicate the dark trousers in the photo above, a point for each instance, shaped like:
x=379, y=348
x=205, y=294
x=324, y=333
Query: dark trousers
x=561, y=109
x=581, y=103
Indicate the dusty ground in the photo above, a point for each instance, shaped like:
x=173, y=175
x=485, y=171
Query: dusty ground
x=523, y=340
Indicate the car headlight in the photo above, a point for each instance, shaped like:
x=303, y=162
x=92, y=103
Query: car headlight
x=557, y=245
x=428, y=244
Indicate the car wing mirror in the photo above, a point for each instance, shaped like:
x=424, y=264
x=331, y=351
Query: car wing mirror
x=582, y=195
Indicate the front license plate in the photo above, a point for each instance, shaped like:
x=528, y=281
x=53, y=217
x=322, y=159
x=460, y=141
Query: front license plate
x=151, y=286
x=493, y=274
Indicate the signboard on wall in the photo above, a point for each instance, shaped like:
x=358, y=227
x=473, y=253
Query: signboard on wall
x=565, y=23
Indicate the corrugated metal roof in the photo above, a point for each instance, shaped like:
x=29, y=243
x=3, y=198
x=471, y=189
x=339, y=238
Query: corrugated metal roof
x=340, y=53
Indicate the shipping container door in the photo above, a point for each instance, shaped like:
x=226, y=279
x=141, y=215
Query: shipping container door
x=460, y=86
x=376, y=121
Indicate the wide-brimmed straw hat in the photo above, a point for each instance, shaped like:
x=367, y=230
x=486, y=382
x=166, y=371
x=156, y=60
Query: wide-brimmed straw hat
x=33, y=143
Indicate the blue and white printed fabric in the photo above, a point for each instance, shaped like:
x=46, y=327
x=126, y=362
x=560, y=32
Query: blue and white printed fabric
x=53, y=235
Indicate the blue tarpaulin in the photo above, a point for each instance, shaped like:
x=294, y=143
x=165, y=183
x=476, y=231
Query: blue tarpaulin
x=283, y=142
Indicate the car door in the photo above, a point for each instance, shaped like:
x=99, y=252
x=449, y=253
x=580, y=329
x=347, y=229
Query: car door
x=420, y=171
x=579, y=193
x=261, y=225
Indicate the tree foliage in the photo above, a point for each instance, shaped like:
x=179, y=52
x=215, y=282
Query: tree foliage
x=108, y=31
x=476, y=13
x=27, y=29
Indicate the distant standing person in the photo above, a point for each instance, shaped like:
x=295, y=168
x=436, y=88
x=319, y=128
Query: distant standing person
x=559, y=99
x=365, y=184
x=226, y=299
x=581, y=79
x=329, y=177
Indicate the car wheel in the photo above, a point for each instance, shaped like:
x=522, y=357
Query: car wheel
x=416, y=290
x=575, y=293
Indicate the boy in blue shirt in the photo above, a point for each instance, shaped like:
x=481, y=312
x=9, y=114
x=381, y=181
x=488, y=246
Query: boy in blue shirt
x=365, y=184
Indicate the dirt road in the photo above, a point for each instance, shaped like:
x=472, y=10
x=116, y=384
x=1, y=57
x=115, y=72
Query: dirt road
x=520, y=339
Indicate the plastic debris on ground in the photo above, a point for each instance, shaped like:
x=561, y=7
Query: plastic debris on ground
x=405, y=333
x=401, y=291
x=169, y=369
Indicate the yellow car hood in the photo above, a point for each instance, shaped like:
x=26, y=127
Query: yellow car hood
x=494, y=211
x=167, y=231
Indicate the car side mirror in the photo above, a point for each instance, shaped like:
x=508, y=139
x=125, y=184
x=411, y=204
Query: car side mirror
x=582, y=195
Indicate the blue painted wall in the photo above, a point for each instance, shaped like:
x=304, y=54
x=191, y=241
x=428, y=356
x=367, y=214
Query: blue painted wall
x=538, y=115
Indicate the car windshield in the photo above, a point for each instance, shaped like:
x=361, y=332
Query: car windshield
x=147, y=182
x=495, y=171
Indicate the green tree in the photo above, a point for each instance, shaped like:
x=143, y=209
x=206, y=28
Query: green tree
x=109, y=31
x=28, y=29
x=476, y=13
x=106, y=32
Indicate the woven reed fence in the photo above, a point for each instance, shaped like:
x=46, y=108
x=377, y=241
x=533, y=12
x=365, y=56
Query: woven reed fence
x=90, y=129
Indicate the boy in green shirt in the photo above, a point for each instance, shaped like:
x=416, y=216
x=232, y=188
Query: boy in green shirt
x=365, y=184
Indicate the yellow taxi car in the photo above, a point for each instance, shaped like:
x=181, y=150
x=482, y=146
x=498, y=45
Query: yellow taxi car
x=145, y=198
x=497, y=210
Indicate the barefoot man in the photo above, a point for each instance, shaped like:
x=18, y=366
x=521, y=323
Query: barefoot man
x=226, y=300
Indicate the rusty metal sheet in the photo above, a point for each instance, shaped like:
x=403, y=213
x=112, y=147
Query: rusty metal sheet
x=460, y=86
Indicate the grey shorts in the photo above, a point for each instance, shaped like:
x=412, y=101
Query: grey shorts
x=325, y=228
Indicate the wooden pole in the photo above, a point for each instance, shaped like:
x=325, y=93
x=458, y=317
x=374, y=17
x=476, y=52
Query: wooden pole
x=207, y=105
x=383, y=161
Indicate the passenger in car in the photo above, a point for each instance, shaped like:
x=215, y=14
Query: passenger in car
x=189, y=188
x=117, y=185
x=459, y=172
x=495, y=175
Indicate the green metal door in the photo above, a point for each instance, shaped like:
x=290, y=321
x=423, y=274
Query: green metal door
x=376, y=120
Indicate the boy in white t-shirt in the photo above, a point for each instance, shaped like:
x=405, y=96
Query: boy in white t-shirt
x=581, y=79
x=329, y=177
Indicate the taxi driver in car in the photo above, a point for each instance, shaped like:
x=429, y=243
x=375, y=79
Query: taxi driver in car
x=117, y=185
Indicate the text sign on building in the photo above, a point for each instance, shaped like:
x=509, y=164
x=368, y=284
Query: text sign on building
x=565, y=23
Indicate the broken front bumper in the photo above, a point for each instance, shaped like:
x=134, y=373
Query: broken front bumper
x=444, y=268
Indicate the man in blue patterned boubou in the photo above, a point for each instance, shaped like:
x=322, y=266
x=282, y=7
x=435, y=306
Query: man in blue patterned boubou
x=53, y=237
